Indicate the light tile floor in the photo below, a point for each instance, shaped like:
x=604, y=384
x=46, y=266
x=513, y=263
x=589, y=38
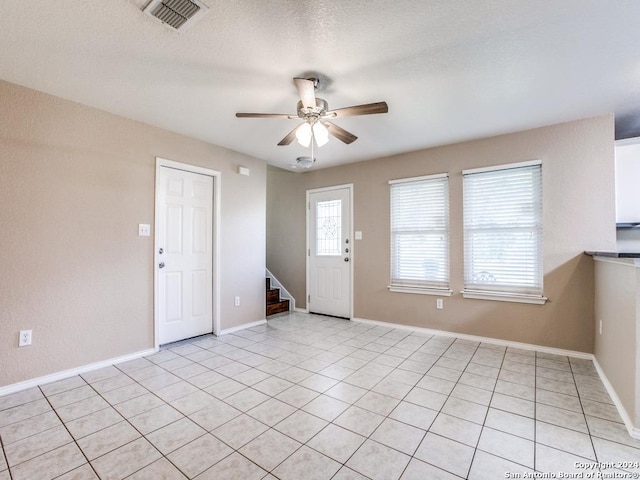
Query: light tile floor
x=308, y=397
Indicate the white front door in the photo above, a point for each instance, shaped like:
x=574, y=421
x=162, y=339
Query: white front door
x=329, y=251
x=185, y=254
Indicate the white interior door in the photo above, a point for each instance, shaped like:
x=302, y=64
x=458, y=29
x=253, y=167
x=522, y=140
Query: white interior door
x=329, y=252
x=185, y=254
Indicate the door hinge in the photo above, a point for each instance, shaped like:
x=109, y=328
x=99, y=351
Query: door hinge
x=308, y=298
x=309, y=252
x=308, y=205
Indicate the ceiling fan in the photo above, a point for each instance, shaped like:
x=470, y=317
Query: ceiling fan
x=315, y=113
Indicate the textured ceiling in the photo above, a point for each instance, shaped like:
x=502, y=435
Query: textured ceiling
x=449, y=70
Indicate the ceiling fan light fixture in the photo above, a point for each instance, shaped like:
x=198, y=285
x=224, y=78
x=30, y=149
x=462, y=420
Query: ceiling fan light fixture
x=314, y=113
x=320, y=133
x=305, y=162
x=304, y=134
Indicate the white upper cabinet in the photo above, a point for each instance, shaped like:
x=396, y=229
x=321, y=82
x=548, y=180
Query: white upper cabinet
x=628, y=181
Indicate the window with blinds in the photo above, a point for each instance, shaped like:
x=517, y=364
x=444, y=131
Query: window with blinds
x=420, y=234
x=503, y=232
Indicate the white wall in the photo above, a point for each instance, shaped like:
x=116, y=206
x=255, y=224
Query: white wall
x=75, y=182
x=617, y=347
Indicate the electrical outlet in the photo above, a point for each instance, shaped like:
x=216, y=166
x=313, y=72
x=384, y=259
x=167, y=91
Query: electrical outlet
x=439, y=303
x=25, y=338
x=237, y=301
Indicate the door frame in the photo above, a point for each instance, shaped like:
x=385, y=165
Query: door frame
x=163, y=162
x=348, y=186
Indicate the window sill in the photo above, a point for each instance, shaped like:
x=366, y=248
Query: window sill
x=504, y=297
x=442, y=292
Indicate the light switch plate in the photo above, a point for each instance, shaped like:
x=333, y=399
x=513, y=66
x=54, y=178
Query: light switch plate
x=358, y=235
x=144, y=230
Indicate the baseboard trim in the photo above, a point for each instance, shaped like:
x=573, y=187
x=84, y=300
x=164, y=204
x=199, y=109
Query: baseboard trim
x=634, y=431
x=301, y=310
x=54, y=377
x=476, y=338
x=244, y=326
x=626, y=418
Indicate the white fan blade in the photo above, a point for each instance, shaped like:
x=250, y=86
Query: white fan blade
x=306, y=91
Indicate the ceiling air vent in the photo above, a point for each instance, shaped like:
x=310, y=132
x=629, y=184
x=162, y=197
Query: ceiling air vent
x=177, y=14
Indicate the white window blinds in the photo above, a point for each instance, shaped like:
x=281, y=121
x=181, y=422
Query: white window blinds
x=420, y=232
x=503, y=229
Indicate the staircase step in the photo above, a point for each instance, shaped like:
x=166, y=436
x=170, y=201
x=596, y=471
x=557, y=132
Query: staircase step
x=274, y=304
x=273, y=296
x=278, y=307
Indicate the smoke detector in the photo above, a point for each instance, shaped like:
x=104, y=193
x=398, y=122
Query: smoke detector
x=179, y=15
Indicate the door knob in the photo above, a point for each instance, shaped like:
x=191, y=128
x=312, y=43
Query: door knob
x=161, y=265
x=346, y=259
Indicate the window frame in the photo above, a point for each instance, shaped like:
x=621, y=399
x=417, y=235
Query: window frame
x=426, y=286
x=514, y=292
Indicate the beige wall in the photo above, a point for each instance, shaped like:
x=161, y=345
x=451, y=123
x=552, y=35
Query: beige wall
x=617, y=348
x=75, y=182
x=579, y=214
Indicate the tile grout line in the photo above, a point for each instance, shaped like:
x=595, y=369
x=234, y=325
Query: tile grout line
x=513, y=413
x=159, y=364
x=342, y=464
x=448, y=397
x=578, y=396
x=207, y=432
x=370, y=361
x=67, y=429
x=441, y=356
x=595, y=453
x=439, y=411
x=475, y=450
x=130, y=424
x=102, y=429
x=411, y=457
x=6, y=460
x=269, y=427
x=270, y=472
x=234, y=450
x=237, y=450
x=286, y=341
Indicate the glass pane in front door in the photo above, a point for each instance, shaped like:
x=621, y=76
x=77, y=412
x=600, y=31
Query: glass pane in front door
x=328, y=227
